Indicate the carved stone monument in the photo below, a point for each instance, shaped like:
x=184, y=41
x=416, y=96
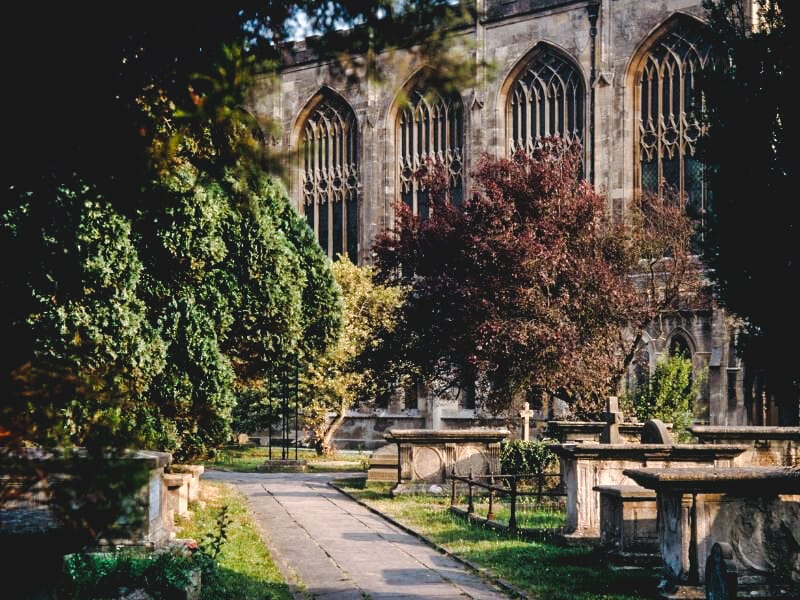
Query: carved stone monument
x=768, y=446
x=426, y=457
x=755, y=510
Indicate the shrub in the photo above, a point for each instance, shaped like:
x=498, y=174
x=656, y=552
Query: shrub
x=531, y=457
x=668, y=394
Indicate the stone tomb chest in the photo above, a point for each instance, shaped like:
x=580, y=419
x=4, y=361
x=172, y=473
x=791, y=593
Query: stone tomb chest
x=427, y=456
x=752, y=512
x=586, y=466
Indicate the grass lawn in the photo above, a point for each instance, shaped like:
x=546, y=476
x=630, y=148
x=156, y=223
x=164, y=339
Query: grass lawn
x=545, y=570
x=248, y=459
x=246, y=571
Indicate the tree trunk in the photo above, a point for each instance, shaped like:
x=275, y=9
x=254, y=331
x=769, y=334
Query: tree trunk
x=326, y=445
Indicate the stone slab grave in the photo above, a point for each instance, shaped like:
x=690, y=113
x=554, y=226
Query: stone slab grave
x=589, y=465
x=33, y=539
x=427, y=457
x=628, y=532
x=767, y=446
x=751, y=515
x=383, y=465
x=612, y=430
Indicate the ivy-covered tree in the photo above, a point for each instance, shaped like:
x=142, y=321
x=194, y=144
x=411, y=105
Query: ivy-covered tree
x=752, y=223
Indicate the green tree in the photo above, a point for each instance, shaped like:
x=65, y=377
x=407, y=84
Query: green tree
x=84, y=348
x=752, y=246
x=335, y=381
x=668, y=394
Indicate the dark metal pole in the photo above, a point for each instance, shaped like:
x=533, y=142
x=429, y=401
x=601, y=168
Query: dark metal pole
x=453, y=490
x=296, y=408
x=512, y=519
x=490, y=515
x=470, y=503
x=269, y=417
x=285, y=415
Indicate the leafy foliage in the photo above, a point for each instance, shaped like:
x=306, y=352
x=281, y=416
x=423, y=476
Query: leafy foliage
x=164, y=574
x=753, y=252
x=668, y=395
x=521, y=457
x=84, y=348
x=525, y=282
x=337, y=380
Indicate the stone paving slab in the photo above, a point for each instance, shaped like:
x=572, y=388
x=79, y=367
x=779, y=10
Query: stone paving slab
x=335, y=549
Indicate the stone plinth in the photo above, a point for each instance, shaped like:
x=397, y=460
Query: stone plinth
x=628, y=523
x=755, y=510
x=383, y=464
x=768, y=446
x=591, y=431
x=194, y=483
x=588, y=465
x=177, y=485
x=427, y=456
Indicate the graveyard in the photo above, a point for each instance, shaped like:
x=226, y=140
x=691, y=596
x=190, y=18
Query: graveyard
x=429, y=299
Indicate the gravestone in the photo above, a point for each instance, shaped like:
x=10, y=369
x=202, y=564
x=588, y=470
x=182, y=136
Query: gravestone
x=526, y=413
x=613, y=418
x=754, y=510
x=721, y=573
x=656, y=432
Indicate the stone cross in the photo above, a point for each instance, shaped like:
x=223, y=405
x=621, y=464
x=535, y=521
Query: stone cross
x=613, y=419
x=526, y=413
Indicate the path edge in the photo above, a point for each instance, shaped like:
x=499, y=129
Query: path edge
x=506, y=586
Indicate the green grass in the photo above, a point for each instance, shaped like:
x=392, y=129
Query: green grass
x=545, y=570
x=249, y=459
x=245, y=569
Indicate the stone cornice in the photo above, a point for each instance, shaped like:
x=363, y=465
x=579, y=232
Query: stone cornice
x=745, y=433
x=757, y=481
x=639, y=452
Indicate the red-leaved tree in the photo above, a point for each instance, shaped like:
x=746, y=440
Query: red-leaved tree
x=527, y=285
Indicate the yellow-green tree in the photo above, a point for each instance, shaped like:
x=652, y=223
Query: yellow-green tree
x=336, y=381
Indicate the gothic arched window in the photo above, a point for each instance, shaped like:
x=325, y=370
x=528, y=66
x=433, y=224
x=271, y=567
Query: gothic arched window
x=546, y=99
x=671, y=113
x=429, y=127
x=329, y=176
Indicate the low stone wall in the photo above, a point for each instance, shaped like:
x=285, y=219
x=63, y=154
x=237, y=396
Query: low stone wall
x=427, y=456
x=767, y=446
x=587, y=465
x=754, y=511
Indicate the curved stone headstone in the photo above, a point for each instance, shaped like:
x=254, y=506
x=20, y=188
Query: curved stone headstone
x=656, y=432
x=721, y=573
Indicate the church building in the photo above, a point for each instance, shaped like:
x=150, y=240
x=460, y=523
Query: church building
x=619, y=76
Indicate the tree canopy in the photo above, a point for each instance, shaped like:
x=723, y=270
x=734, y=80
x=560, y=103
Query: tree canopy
x=526, y=286
x=752, y=245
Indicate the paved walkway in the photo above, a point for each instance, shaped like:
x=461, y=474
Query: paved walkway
x=335, y=549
